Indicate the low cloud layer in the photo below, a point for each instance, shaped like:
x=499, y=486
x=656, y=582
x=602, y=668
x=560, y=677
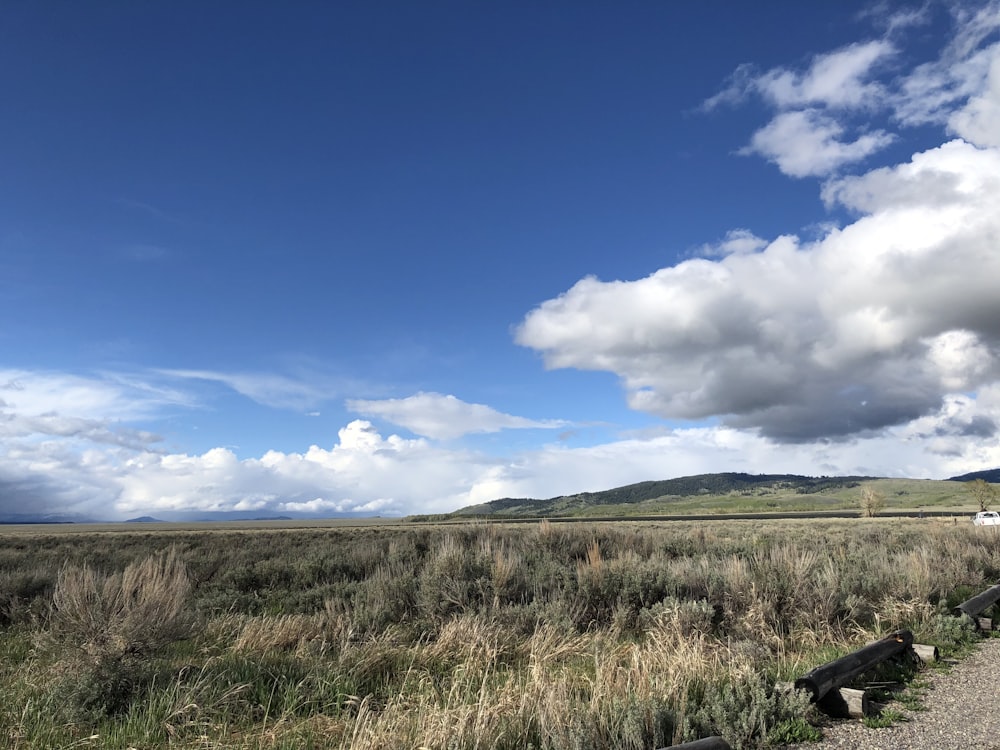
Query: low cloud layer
x=366, y=472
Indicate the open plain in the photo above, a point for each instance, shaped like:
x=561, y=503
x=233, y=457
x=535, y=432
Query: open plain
x=546, y=635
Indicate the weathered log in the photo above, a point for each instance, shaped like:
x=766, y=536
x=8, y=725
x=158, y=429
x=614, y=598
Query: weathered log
x=984, y=624
x=839, y=672
x=709, y=743
x=846, y=703
x=927, y=654
x=979, y=603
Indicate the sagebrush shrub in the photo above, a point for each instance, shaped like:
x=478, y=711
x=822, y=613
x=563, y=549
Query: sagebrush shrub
x=107, y=628
x=135, y=612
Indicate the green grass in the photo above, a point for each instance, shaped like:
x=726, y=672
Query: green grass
x=554, y=635
x=911, y=495
x=900, y=494
x=886, y=718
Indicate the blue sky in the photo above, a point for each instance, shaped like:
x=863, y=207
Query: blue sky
x=404, y=257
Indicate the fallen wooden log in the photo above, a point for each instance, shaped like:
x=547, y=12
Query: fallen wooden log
x=979, y=603
x=709, y=743
x=839, y=672
x=846, y=703
x=928, y=654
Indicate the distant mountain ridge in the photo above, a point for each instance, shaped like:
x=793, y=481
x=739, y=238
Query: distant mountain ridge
x=699, y=484
x=989, y=475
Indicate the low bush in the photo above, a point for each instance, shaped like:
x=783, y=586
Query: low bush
x=107, y=628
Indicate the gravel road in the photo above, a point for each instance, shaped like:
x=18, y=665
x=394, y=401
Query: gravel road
x=962, y=713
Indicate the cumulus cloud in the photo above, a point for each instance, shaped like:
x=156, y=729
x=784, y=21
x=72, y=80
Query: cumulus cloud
x=875, y=324
x=868, y=327
x=442, y=417
x=809, y=143
x=839, y=79
x=363, y=472
x=815, y=130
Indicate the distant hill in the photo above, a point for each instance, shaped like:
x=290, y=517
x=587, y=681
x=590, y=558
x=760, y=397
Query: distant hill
x=990, y=475
x=728, y=483
x=144, y=519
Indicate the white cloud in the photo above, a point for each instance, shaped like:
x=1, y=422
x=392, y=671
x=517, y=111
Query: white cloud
x=83, y=409
x=873, y=325
x=277, y=391
x=814, y=131
x=442, y=417
x=893, y=19
x=736, y=242
x=874, y=349
x=979, y=120
x=368, y=473
x=362, y=473
x=838, y=79
x=809, y=143
x=961, y=88
x=104, y=396
x=848, y=334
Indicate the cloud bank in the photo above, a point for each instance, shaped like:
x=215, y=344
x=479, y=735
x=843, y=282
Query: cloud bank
x=365, y=472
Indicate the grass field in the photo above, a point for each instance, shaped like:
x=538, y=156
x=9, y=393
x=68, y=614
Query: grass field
x=557, y=636
x=746, y=494
x=900, y=495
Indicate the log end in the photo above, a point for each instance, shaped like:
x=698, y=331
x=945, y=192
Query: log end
x=846, y=703
x=810, y=686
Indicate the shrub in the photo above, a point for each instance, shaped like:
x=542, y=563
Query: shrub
x=135, y=612
x=747, y=713
x=108, y=627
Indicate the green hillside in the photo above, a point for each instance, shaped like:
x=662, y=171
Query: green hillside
x=736, y=493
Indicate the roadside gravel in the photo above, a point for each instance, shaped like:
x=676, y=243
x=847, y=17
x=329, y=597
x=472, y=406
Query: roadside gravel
x=962, y=713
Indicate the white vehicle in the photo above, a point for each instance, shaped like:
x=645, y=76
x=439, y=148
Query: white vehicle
x=987, y=518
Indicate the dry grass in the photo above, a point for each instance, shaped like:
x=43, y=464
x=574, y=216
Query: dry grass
x=581, y=636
